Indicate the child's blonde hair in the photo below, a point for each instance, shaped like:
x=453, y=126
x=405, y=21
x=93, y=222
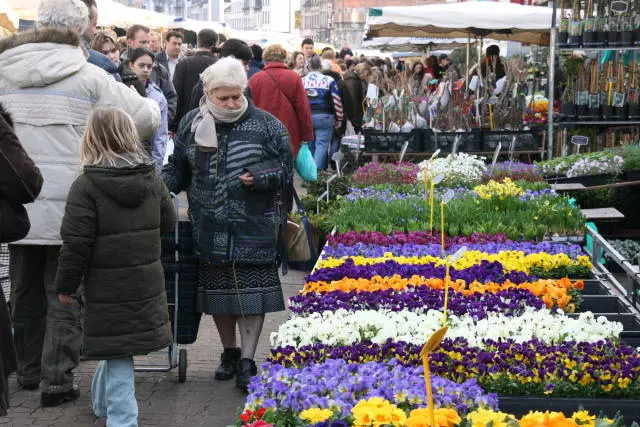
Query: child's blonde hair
x=111, y=135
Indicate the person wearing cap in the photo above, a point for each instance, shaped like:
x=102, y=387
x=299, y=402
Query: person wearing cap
x=234, y=160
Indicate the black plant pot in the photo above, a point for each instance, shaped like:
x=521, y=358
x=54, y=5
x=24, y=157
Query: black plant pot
x=607, y=112
x=601, y=39
x=568, y=111
x=626, y=38
x=592, y=114
x=632, y=175
x=588, y=39
x=582, y=111
x=621, y=113
x=613, y=38
x=634, y=111
x=636, y=37
x=563, y=38
x=574, y=41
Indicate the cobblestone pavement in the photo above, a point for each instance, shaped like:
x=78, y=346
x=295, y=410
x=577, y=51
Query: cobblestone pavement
x=200, y=401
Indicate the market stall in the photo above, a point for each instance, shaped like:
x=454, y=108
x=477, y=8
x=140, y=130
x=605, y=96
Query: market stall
x=461, y=108
x=114, y=14
x=8, y=19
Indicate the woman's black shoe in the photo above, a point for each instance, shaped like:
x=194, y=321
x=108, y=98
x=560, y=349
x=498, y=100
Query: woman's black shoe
x=246, y=369
x=228, y=365
x=57, y=399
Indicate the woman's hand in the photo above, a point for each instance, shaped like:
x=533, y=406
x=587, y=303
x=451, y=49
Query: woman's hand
x=247, y=179
x=65, y=299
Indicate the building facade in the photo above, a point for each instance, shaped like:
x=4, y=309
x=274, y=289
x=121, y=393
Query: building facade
x=191, y=9
x=262, y=15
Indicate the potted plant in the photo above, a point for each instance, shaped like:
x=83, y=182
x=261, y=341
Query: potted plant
x=601, y=21
x=563, y=33
x=575, y=26
x=632, y=92
x=613, y=35
x=582, y=95
x=593, y=112
x=589, y=31
x=620, y=106
x=606, y=91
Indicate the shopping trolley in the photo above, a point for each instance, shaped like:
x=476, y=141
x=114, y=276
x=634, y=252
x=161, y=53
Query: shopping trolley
x=181, y=281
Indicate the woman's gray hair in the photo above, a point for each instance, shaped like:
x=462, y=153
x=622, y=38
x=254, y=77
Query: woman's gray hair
x=226, y=72
x=69, y=14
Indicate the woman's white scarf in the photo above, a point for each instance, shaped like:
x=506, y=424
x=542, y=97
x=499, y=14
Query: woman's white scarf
x=204, y=124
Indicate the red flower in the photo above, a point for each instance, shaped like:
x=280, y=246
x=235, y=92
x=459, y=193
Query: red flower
x=259, y=413
x=245, y=417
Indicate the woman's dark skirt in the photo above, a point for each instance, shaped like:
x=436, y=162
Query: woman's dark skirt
x=250, y=290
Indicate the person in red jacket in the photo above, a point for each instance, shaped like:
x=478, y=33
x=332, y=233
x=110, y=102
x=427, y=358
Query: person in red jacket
x=279, y=90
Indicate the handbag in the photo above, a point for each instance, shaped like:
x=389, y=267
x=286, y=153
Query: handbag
x=301, y=239
x=14, y=221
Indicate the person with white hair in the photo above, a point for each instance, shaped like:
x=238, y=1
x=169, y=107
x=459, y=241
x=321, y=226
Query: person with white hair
x=50, y=90
x=235, y=162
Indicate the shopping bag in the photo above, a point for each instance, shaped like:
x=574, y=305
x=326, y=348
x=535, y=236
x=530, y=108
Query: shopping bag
x=302, y=240
x=305, y=165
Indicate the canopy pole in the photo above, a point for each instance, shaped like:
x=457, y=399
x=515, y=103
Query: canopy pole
x=480, y=82
x=466, y=74
x=551, y=82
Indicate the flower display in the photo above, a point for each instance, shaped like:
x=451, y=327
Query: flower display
x=376, y=412
x=455, y=170
x=510, y=260
x=567, y=369
x=342, y=327
x=505, y=188
x=311, y=387
x=385, y=173
x=371, y=250
x=419, y=300
x=485, y=271
x=560, y=293
x=351, y=238
x=517, y=171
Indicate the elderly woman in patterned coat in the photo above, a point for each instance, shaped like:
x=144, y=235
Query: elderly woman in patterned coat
x=235, y=162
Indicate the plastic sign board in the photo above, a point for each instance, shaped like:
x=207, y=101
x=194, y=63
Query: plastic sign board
x=495, y=155
x=448, y=196
x=438, y=179
x=434, y=155
x=619, y=6
x=580, y=140
x=455, y=257
x=404, y=150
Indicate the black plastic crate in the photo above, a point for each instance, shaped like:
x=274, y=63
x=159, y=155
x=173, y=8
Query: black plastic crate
x=469, y=141
x=388, y=142
x=525, y=140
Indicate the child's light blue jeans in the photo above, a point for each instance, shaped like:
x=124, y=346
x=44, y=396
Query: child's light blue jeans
x=113, y=393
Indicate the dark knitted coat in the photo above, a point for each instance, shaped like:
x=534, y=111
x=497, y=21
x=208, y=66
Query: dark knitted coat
x=111, y=231
x=231, y=222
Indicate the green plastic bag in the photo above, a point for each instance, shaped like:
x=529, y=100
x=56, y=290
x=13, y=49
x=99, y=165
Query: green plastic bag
x=305, y=165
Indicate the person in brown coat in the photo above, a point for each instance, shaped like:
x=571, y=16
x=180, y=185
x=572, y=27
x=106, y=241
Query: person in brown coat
x=279, y=91
x=20, y=182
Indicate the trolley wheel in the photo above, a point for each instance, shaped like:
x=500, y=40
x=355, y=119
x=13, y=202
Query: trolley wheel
x=182, y=365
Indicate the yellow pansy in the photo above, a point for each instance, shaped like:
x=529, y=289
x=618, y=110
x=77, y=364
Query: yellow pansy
x=316, y=415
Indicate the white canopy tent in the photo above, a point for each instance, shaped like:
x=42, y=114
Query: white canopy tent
x=196, y=26
x=8, y=19
x=412, y=44
x=114, y=14
x=24, y=9
x=498, y=21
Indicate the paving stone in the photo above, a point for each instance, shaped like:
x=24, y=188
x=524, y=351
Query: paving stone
x=201, y=401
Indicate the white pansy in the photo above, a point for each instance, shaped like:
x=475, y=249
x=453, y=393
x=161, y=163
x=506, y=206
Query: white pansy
x=346, y=328
x=455, y=169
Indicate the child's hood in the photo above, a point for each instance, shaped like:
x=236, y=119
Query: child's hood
x=129, y=186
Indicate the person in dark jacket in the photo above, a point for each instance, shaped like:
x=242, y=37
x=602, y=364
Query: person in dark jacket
x=354, y=91
x=20, y=183
x=492, y=66
x=234, y=160
x=188, y=72
x=116, y=211
x=138, y=36
x=233, y=47
x=255, y=64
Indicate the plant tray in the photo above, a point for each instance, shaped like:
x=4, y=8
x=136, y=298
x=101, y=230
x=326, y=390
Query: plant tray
x=525, y=140
x=469, y=141
x=521, y=405
x=388, y=142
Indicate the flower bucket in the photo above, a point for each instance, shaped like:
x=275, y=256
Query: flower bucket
x=525, y=140
x=389, y=142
